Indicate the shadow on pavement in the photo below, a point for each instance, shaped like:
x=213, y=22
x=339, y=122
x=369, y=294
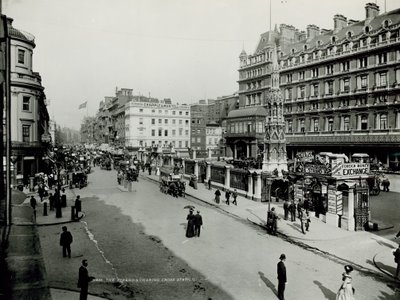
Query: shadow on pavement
x=268, y=283
x=382, y=243
x=327, y=292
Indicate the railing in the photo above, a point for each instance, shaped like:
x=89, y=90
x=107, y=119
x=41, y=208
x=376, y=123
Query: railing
x=189, y=167
x=239, y=179
x=218, y=174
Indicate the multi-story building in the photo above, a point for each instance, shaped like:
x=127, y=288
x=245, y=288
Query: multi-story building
x=213, y=138
x=198, y=118
x=150, y=123
x=87, y=130
x=342, y=87
x=219, y=109
x=30, y=119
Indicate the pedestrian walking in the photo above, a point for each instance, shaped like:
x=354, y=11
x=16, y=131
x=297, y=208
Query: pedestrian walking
x=273, y=221
x=217, y=195
x=299, y=207
x=292, y=210
x=84, y=279
x=33, y=205
x=51, y=201
x=396, y=254
x=303, y=219
x=227, y=196
x=306, y=205
x=308, y=220
x=78, y=205
x=282, y=280
x=286, y=206
x=234, y=195
x=209, y=183
x=66, y=241
x=346, y=290
x=198, y=224
x=63, y=198
x=190, y=224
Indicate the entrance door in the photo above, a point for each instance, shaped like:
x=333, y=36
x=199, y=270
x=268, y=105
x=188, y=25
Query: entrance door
x=361, y=207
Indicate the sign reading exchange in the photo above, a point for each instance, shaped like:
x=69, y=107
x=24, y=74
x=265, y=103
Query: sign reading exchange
x=353, y=169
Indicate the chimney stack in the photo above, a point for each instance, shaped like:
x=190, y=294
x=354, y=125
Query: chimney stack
x=312, y=32
x=339, y=22
x=371, y=11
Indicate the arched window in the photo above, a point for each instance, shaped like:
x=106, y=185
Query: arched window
x=333, y=39
x=367, y=29
x=346, y=123
x=383, y=121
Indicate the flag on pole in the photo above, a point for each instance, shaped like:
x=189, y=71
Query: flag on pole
x=83, y=105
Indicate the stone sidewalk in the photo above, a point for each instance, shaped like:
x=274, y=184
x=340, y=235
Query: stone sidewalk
x=24, y=272
x=368, y=253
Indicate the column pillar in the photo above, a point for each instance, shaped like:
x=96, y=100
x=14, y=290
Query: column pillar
x=196, y=168
x=250, y=186
x=194, y=153
x=234, y=151
x=227, y=177
x=183, y=166
x=208, y=170
x=248, y=150
x=209, y=153
x=351, y=221
x=257, y=194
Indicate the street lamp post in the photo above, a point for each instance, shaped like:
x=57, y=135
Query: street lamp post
x=58, y=163
x=269, y=184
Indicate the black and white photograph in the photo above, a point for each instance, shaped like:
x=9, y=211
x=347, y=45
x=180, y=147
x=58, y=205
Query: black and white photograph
x=200, y=149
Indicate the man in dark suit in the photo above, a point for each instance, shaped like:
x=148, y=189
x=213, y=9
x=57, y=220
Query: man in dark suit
x=66, y=241
x=281, y=277
x=84, y=279
x=198, y=222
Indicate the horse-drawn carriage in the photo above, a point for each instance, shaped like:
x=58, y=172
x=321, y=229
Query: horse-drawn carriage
x=78, y=179
x=171, y=184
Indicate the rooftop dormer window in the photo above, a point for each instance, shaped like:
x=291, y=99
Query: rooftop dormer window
x=293, y=50
x=349, y=34
x=333, y=39
x=319, y=43
x=367, y=29
x=386, y=23
x=305, y=47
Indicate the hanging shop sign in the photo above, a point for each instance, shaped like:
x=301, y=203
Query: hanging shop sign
x=348, y=170
x=316, y=169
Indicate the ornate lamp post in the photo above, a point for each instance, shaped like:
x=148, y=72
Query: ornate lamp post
x=269, y=184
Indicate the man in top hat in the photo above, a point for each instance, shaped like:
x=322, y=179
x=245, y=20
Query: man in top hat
x=198, y=223
x=281, y=268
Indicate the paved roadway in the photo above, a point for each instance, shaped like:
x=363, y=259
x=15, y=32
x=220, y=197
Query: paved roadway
x=236, y=258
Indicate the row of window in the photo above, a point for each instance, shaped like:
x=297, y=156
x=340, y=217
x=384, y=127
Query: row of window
x=246, y=127
x=344, y=66
x=166, y=112
x=381, y=121
x=381, y=80
x=166, y=143
x=160, y=132
x=166, y=121
x=362, y=101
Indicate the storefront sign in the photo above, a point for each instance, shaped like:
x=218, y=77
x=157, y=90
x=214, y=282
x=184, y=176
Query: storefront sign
x=339, y=203
x=298, y=192
x=349, y=170
x=316, y=169
x=305, y=156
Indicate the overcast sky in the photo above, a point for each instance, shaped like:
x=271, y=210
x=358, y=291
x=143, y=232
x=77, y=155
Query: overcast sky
x=185, y=50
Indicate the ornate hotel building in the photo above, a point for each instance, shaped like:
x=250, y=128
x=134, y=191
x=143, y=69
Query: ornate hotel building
x=341, y=87
x=157, y=123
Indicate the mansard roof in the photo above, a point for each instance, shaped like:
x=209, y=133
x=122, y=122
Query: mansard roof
x=248, y=112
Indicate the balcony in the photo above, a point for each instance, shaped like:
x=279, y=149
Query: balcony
x=358, y=137
x=250, y=135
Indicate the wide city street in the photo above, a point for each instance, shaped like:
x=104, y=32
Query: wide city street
x=138, y=238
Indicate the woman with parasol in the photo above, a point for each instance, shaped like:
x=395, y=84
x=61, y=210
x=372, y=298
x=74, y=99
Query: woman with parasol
x=190, y=224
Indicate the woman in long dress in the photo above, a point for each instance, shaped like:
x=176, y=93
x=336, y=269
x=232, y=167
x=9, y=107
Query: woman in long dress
x=346, y=291
x=190, y=224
